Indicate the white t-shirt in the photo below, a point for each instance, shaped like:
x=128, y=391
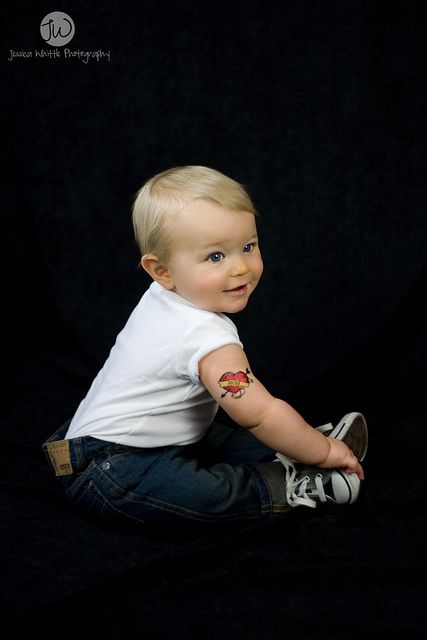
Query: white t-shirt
x=148, y=393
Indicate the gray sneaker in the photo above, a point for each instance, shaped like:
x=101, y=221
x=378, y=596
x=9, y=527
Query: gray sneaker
x=352, y=430
x=309, y=486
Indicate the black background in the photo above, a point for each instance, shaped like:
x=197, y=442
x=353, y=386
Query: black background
x=319, y=109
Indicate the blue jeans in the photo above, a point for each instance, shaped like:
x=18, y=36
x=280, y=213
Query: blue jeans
x=227, y=476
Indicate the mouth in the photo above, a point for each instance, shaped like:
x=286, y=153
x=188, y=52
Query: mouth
x=238, y=291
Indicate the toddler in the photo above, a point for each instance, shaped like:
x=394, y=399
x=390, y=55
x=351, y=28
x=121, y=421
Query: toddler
x=143, y=446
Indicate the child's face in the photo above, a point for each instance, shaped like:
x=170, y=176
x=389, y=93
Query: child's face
x=215, y=261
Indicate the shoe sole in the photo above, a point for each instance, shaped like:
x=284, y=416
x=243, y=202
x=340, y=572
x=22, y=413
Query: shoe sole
x=353, y=431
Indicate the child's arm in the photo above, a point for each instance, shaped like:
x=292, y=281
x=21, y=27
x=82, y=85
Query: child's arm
x=226, y=375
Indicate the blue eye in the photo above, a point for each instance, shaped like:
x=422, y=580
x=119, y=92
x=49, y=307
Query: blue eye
x=216, y=257
x=248, y=247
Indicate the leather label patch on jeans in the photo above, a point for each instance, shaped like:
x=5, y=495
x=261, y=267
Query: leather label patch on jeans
x=59, y=454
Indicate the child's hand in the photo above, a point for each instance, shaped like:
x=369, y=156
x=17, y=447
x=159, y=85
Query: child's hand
x=341, y=457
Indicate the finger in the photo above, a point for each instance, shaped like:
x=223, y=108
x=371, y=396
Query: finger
x=357, y=468
x=359, y=471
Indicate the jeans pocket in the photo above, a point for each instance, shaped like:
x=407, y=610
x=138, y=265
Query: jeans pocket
x=91, y=496
x=94, y=501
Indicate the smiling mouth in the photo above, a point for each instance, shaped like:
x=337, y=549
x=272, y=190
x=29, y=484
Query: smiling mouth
x=238, y=290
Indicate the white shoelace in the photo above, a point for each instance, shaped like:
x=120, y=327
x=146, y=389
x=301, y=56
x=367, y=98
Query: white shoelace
x=296, y=494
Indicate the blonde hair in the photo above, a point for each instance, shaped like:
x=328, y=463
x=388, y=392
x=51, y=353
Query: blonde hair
x=167, y=193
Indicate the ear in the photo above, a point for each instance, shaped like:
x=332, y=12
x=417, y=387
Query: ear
x=157, y=270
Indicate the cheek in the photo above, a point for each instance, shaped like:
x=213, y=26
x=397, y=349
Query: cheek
x=212, y=277
x=200, y=278
x=210, y=280
x=258, y=266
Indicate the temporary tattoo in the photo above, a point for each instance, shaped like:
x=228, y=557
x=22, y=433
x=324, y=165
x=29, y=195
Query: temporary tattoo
x=234, y=383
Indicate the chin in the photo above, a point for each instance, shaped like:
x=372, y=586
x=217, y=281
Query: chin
x=237, y=307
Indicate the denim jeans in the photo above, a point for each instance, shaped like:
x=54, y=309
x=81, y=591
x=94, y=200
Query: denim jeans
x=227, y=476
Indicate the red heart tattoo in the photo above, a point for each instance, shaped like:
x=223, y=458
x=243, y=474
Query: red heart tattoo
x=234, y=383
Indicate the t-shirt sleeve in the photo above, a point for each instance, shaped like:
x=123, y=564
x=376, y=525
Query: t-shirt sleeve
x=207, y=336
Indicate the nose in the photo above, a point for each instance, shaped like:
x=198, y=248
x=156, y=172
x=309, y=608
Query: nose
x=239, y=267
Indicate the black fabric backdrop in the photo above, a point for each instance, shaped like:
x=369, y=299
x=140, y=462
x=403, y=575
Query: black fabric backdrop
x=319, y=108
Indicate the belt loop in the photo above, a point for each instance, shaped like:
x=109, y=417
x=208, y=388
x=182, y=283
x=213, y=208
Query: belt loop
x=78, y=457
